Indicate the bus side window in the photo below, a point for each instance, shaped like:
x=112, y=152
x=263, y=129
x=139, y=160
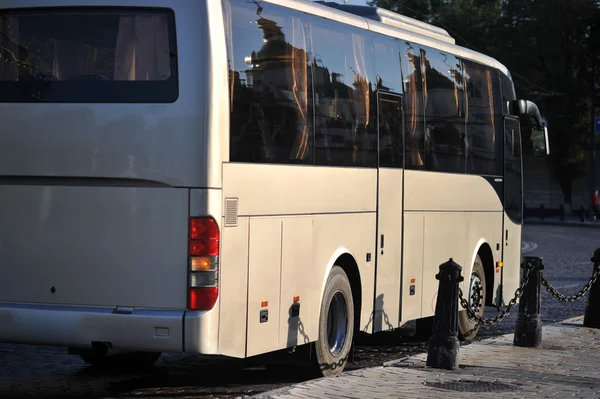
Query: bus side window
x=484, y=130
x=443, y=86
x=271, y=114
x=410, y=59
x=513, y=171
x=343, y=131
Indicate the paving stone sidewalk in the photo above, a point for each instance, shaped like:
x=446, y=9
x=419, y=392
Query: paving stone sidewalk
x=566, y=365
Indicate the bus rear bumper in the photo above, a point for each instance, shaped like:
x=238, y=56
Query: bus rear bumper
x=71, y=326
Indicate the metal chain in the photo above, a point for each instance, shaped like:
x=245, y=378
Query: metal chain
x=562, y=298
x=489, y=322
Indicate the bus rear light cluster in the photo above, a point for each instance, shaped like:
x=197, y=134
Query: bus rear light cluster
x=203, y=255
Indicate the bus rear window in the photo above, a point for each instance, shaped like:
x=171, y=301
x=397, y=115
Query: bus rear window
x=115, y=55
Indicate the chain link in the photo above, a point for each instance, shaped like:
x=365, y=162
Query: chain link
x=562, y=298
x=491, y=321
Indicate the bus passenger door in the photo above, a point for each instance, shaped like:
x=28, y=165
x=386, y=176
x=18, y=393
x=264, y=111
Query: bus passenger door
x=389, y=212
x=513, y=208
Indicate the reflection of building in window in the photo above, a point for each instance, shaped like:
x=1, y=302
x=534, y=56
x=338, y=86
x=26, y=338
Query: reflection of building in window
x=275, y=97
x=444, y=115
x=282, y=89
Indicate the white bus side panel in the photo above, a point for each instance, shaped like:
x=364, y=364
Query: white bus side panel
x=435, y=192
x=233, y=289
x=264, y=284
x=354, y=234
x=297, y=265
x=444, y=238
x=412, y=266
x=456, y=214
x=389, y=257
x=511, y=272
x=322, y=213
x=264, y=189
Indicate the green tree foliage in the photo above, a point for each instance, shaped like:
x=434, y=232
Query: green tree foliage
x=552, y=49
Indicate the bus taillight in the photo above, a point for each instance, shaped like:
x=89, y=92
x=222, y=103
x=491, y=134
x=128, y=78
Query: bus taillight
x=203, y=255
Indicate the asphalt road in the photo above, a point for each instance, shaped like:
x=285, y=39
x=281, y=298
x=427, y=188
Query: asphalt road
x=50, y=372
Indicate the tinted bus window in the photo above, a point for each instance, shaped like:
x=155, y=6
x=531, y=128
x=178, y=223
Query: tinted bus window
x=410, y=59
x=88, y=55
x=391, y=140
x=344, y=135
x=513, y=180
x=443, y=89
x=483, y=120
x=508, y=91
x=270, y=84
x=387, y=64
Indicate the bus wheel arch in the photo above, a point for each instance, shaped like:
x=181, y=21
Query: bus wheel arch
x=487, y=258
x=350, y=267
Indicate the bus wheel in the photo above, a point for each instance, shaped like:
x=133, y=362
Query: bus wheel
x=467, y=327
x=130, y=361
x=336, y=324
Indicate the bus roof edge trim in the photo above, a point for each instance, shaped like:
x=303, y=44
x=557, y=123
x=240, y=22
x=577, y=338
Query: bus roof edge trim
x=394, y=19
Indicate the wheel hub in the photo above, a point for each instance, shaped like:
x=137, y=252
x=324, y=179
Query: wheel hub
x=476, y=294
x=337, y=323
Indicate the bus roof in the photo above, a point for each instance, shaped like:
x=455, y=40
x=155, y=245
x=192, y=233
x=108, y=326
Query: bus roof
x=391, y=24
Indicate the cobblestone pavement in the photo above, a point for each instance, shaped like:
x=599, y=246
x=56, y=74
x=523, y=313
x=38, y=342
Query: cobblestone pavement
x=567, y=252
x=49, y=372
x=566, y=365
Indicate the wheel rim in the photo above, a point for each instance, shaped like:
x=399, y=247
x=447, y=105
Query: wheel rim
x=476, y=293
x=337, y=323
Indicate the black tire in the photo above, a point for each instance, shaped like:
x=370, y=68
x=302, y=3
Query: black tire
x=336, y=325
x=127, y=361
x=476, y=296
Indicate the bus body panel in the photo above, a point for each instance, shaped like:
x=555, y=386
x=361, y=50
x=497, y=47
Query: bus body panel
x=452, y=215
x=267, y=189
x=412, y=266
x=94, y=246
x=436, y=192
x=78, y=326
x=350, y=234
x=162, y=143
x=297, y=262
x=307, y=218
x=233, y=288
x=264, y=285
x=389, y=250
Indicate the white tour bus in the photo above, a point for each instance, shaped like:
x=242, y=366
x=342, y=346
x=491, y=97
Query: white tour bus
x=236, y=178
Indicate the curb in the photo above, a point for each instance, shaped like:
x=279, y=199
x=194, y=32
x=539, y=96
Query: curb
x=574, y=321
x=574, y=224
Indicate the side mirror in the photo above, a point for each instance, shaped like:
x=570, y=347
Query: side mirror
x=526, y=108
x=532, y=125
x=539, y=138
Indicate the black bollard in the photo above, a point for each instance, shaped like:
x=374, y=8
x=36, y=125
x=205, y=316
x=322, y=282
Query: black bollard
x=592, y=310
x=443, y=344
x=582, y=214
x=528, y=331
x=561, y=212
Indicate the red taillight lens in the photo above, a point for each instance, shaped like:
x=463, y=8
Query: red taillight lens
x=203, y=252
x=203, y=247
x=204, y=237
x=203, y=228
x=202, y=298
